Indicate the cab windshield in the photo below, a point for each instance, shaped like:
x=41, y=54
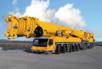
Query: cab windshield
x=40, y=42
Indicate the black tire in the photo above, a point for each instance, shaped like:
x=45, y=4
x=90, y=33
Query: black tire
x=84, y=45
x=70, y=47
x=65, y=47
x=91, y=45
x=80, y=46
x=76, y=46
x=73, y=47
x=58, y=49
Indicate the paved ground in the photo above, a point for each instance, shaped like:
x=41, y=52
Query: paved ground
x=18, y=59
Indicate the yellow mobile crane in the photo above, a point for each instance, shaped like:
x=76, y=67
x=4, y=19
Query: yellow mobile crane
x=48, y=37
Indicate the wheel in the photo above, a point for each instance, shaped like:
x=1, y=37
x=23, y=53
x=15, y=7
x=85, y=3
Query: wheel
x=80, y=46
x=91, y=45
x=73, y=47
x=65, y=47
x=84, y=45
x=77, y=48
x=58, y=49
x=70, y=47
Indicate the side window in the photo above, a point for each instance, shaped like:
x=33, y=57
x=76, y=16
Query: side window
x=50, y=42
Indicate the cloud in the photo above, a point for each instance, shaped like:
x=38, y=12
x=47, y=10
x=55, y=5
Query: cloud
x=66, y=15
x=39, y=9
x=70, y=16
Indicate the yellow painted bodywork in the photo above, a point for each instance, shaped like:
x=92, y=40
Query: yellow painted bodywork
x=55, y=40
x=25, y=26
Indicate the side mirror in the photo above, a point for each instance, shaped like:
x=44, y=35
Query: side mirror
x=50, y=42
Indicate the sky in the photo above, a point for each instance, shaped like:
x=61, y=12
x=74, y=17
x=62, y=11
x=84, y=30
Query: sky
x=80, y=14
